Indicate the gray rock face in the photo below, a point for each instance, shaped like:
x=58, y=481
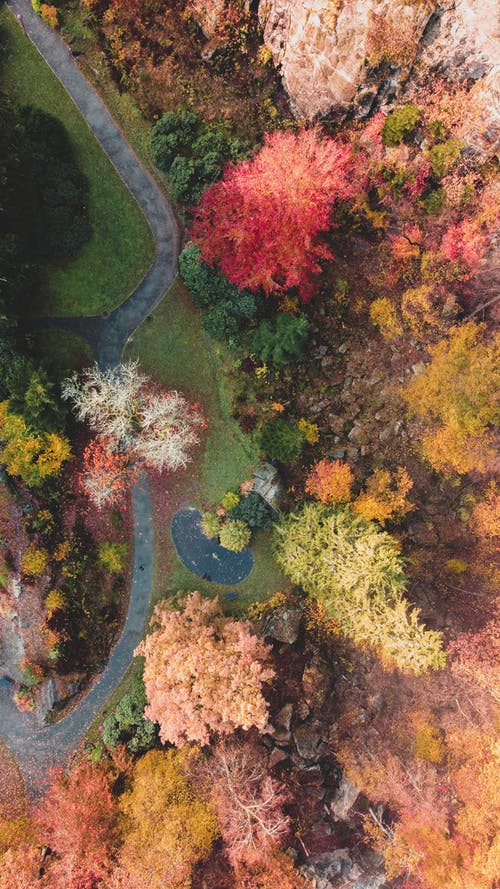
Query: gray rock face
x=342, y=54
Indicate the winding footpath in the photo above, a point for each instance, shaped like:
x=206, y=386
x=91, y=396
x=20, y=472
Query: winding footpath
x=37, y=747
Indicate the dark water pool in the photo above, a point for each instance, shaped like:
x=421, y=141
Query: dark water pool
x=206, y=557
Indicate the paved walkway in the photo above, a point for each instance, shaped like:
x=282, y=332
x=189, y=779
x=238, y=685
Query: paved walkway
x=37, y=747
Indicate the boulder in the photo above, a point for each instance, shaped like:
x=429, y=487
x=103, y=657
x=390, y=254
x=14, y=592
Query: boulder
x=344, y=799
x=339, y=870
x=308, y=739
x=283, y=718
x=283, y=624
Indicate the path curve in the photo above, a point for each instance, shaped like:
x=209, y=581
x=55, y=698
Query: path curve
x=37, y=747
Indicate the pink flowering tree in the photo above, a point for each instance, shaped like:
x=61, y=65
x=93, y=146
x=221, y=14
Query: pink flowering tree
x=203, y=672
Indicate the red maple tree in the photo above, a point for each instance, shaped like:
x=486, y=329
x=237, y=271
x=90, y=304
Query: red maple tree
x=77, y=818
x=106, y=475
x=260, y=223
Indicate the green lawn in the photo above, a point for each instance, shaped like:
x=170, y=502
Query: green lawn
x=64, y=352
x=121, y=249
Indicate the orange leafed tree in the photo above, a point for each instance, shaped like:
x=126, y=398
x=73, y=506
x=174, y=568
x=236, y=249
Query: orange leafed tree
x=261, y=223
x=166, y=827
x=458, y=395
x=385, y=496
x=203, y=672
x=106, y=475
x=330, y=481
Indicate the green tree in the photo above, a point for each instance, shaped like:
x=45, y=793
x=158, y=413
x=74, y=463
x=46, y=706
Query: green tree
x=192, y=153
x=400, y=124
x=281, y=340
x=235, y=535
x=282, y=441
x=128, y=725
x=356, y=571
x=227, y=308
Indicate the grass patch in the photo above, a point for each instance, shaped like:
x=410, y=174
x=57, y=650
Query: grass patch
x=121, y=248
x=173, y=348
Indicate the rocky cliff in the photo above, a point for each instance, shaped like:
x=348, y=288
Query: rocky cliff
x=341, y=54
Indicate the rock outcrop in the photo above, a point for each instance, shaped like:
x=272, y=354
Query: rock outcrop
x=357, y=54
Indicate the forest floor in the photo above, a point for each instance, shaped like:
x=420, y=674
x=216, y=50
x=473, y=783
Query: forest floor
x=121, y=248
x=13, y=802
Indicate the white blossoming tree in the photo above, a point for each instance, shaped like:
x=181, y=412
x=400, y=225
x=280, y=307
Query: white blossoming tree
x=135, y=423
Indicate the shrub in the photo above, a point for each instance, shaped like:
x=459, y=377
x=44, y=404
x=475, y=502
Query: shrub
x=282, y=441
x=429, y=745
x=235, y=535
x=128, y=725
x=443, y=156
x=383, y=315
x=433, y=201
x=113, y=556
x=400, y=124
x=423, y=309
x=174, y=132
x=220, y=323
x=309, y=430
x=253, y=510
x=385, y=496
x=227, y=307
x=330, y=481
x=230, y=500
x=49, y=14
x=34, y=561
x=486, y=514
x=54, y=601
x=210, y=524
x=281, y=340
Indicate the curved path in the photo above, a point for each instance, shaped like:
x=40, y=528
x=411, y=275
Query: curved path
x=37, y=747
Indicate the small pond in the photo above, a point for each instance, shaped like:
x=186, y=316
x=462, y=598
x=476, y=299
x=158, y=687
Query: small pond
x=205, y=557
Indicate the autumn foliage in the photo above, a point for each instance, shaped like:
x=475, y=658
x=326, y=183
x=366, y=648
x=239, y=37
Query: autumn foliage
x=457, y=396
x=203, y=672
x=136, y=424
x=261, y=223
x=77, y=818
x=166, y=827
x=330, y=481
x=106, y=475
x=249, y=803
